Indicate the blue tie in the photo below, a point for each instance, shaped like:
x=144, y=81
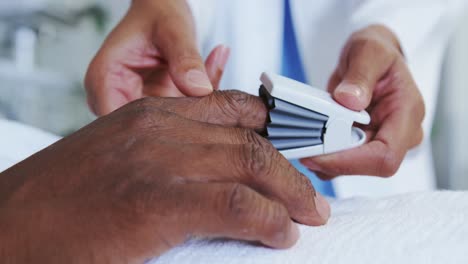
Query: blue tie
x=292, y=68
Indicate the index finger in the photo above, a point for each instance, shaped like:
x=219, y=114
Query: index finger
x=225, y=108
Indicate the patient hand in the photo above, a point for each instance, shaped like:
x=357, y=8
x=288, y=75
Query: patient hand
x=152, y=52
x=143, y=179
x=372, y=75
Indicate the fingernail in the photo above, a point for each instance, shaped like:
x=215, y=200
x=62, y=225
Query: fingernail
x=222, y=57
x=350, y=89
x=199, y=80
x=322, y=206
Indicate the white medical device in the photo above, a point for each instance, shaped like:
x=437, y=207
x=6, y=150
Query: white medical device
x=304, y=121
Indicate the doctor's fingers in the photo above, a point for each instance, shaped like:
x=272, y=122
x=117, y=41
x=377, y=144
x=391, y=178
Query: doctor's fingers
x=174, y=35
x=214, y=64
x=105, y=93
x=225, y=108
x=259, y=166
x=235, y=211
x=382, y=156
x=374, y=158
x=366, y=59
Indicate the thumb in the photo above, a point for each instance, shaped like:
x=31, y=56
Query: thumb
x=362, y=68
x=352, y=95
x=175, y=38
x=355, y=89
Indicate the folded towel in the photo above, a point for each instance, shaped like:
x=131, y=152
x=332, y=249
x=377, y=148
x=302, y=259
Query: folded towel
x=411, y=228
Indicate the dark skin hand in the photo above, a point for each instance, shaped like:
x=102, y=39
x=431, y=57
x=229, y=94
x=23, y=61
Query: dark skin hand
x=139, y=181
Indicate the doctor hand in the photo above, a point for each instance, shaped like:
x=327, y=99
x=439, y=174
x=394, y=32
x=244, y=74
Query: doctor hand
x=372, y=75
x=152, y=52
x=143, y=179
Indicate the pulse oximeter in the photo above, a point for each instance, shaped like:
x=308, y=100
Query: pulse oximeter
x=304, y=121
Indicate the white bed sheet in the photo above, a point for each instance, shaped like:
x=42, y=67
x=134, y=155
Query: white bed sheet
x=412, y=228
x=18, y=141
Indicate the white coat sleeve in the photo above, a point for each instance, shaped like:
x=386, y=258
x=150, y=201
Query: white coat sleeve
x=203, y=12
x=413, y=21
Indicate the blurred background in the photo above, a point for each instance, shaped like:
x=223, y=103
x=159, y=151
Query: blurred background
x=45, y=48
x=46, y=45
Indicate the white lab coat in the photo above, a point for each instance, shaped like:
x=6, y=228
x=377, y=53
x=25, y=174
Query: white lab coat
x=253, y=30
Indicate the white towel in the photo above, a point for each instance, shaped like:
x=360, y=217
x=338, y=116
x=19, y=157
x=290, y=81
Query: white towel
x=411, y=228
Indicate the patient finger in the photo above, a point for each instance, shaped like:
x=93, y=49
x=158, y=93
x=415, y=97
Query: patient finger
x=258, y=166
x=145, y=116
x=226, y=108
x=236, y=211
x=181, y=130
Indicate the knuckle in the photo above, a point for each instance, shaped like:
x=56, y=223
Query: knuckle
x=238, y=198
x=306, y=183
x=257, y=160
x=299, y=184
x=237, y=98
x=142, y=113
x=251, y=137
x=231, y=104
x=145, y=103
x=389, y=163
x=276, y=221
x=270, y=219
x=187, y=60
x=301, y=187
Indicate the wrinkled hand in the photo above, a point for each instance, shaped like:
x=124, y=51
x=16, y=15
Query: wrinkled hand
x=372, y=75
x=152, y=52
x=144, y=178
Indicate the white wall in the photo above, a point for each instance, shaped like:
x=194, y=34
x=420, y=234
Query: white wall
x=450, y=133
